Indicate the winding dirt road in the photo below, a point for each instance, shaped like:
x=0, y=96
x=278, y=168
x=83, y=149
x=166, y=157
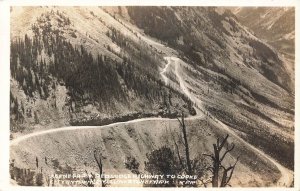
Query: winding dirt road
x=286, y=178
x=163, y=72
x=18, y=140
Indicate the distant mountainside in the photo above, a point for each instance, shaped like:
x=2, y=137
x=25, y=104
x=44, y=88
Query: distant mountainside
x=276, y=25
x=97, y=65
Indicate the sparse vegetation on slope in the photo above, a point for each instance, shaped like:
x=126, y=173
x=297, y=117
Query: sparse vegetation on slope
x=136, y=140
x=234, y=74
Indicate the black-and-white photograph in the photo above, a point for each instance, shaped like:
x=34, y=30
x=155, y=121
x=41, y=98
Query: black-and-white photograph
x=152, y=96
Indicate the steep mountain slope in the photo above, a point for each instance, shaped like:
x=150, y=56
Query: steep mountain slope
x=98, y=65
x=136, y=139
x=220, y=57
x=67, y=71
x=276, y=25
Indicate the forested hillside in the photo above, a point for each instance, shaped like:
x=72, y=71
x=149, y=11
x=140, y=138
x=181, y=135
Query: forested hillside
x=98, y=88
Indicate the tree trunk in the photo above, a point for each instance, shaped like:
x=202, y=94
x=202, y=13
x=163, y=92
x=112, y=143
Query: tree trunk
x=99, y=163
x=186, y=145
x=216, y=165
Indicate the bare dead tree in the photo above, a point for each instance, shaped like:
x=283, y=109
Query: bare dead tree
x=98, y=159
x=90, y=179
x=53, y=183
x=186, y=144
x=177, y=150
x=47, y=178
x=217, y=159
x=227, y=174
x=37, y=162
